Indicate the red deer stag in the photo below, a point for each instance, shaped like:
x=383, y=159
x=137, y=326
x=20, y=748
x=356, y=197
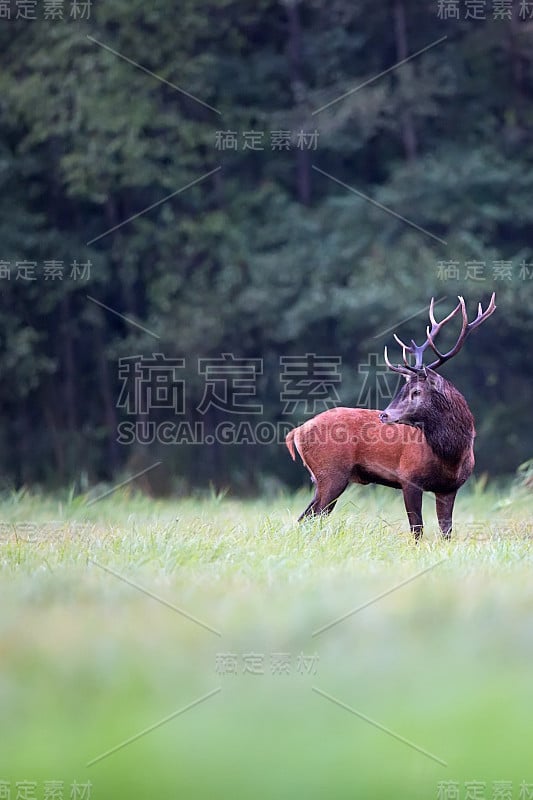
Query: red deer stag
x=422, y=442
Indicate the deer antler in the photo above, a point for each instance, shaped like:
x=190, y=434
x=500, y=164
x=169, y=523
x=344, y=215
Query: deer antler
x=418, y=351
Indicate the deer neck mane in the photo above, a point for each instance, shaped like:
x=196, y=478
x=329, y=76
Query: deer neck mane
x=449, y=425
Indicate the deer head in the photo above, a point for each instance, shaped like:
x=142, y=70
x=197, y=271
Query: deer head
x=427, y=395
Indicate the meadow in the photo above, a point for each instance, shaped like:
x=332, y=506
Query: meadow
x=211, y=647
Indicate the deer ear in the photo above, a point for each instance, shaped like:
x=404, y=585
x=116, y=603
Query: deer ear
x=437, y=382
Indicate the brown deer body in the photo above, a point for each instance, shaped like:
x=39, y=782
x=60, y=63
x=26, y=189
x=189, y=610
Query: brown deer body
x=422, y=442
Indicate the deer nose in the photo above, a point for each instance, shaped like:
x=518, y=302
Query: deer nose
x=383, y=416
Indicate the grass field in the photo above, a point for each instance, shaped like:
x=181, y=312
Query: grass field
x=207, y=626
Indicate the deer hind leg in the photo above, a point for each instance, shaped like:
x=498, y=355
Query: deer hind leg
x=412, y=497
x=309, y=510
x=328, y=488
x=445, y=504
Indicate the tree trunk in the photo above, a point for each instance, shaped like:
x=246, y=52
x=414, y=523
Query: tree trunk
x=109, y=407
x=55, y=433
x=303, y=159
x=408, y=128
x=69, y=386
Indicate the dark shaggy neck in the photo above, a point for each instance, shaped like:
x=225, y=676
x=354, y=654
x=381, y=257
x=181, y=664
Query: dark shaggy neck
x=449, y=426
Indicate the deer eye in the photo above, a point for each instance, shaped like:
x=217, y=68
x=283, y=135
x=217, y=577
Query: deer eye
x=415, y=393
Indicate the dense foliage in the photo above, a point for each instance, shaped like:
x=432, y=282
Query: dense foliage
x=256, y=253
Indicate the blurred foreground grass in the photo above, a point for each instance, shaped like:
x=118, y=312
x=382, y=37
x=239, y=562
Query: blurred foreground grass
x=438, y=670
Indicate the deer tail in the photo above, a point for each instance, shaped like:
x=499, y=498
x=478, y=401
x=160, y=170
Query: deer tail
x=289, y=441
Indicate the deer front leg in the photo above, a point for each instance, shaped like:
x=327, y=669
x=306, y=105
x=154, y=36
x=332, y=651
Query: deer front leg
x=412, y=497
x=444, y=504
